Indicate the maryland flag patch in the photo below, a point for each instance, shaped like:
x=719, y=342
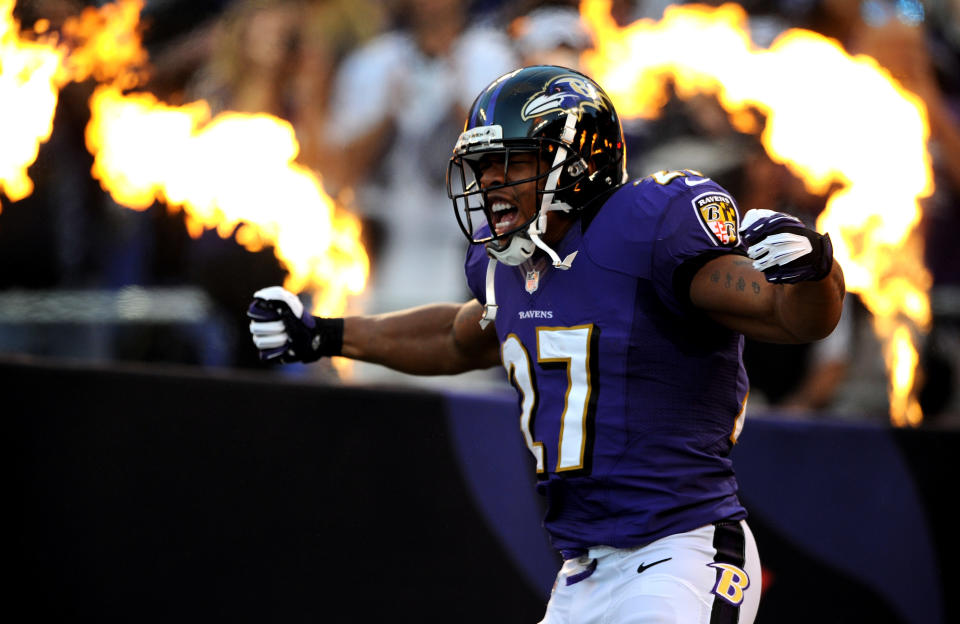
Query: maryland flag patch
x=718, y=217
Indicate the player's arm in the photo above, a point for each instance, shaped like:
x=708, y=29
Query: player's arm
x=436, y=339
x=789, y=290
x=738, y=296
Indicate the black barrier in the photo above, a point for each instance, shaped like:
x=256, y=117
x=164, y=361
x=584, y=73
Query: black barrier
x=157, y=495
x=146, y=497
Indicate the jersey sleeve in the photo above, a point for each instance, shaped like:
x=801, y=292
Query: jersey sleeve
x=699, y=223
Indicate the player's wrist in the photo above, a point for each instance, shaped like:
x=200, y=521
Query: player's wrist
x=823, y=254
x=786, y=250
x=326, y=338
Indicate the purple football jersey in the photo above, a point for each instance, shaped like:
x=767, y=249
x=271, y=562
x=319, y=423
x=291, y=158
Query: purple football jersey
x=630, y=400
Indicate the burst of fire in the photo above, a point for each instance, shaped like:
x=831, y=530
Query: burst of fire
x=105, y=44
x=28, y=99
x=235, y=173
x=822, y=110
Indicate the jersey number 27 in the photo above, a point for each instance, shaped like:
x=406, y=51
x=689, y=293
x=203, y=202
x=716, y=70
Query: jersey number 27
x=572, y=349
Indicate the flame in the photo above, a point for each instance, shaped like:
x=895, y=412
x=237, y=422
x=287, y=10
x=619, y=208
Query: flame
x=822, y=109
x=105, y=44
x=28, y=99
x=235, y=173
x=901, y=359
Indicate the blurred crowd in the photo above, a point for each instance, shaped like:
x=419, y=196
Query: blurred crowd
x=377, y=92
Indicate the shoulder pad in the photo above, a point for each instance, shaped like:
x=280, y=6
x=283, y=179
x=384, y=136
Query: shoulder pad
x=620, y=237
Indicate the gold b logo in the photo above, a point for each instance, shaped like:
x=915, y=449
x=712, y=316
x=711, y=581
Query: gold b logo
x=731, y=581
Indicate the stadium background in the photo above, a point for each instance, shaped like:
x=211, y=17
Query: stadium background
x=161, y=472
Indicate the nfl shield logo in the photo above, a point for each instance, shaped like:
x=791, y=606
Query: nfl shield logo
x=532, y=282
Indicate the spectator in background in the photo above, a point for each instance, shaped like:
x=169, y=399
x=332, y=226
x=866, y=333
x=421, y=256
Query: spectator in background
x=280, y=56
x=331, y=30
x=551, y=33
x=395, y=104
x=253, y=57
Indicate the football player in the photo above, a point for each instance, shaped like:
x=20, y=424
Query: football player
x=618, y=310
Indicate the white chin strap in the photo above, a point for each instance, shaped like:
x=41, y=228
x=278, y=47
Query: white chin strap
x=539, y=226
x=523, y=244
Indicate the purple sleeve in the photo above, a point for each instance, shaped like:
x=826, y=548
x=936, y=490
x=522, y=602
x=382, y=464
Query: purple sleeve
x=702, y=222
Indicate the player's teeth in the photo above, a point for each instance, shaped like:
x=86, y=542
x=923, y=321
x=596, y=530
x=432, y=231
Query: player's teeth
x=501, y=206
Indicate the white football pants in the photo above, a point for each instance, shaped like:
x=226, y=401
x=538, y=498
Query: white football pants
x=710, y=575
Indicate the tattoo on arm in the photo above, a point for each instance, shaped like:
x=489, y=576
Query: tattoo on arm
x=741, y=283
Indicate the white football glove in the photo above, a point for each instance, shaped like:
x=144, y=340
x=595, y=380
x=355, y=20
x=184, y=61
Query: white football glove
x=784, y=248
x=282, y=330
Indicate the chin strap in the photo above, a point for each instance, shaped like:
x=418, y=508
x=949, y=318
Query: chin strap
x=564, y=264
x=539, y=226
x=490, y=308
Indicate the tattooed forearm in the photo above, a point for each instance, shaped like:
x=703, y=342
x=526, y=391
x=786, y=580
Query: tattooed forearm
x=740, y=282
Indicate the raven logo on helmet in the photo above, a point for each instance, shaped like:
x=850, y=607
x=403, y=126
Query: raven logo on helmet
x=567, y=93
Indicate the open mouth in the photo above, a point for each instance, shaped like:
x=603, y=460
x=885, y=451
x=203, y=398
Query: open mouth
x=505, y=216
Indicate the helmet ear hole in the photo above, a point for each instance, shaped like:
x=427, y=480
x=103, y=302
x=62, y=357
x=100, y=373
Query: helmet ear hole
x=577, y=168
x=547, y=151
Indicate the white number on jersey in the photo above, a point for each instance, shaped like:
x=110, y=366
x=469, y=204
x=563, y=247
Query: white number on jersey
x=569, y=347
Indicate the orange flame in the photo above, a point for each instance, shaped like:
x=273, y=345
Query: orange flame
x=822, y=109
x=105, y=44
x=28, y=100
x=235, y=173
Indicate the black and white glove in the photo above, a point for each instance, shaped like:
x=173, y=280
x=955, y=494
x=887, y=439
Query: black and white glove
x=784, y=248
x=283, y=331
